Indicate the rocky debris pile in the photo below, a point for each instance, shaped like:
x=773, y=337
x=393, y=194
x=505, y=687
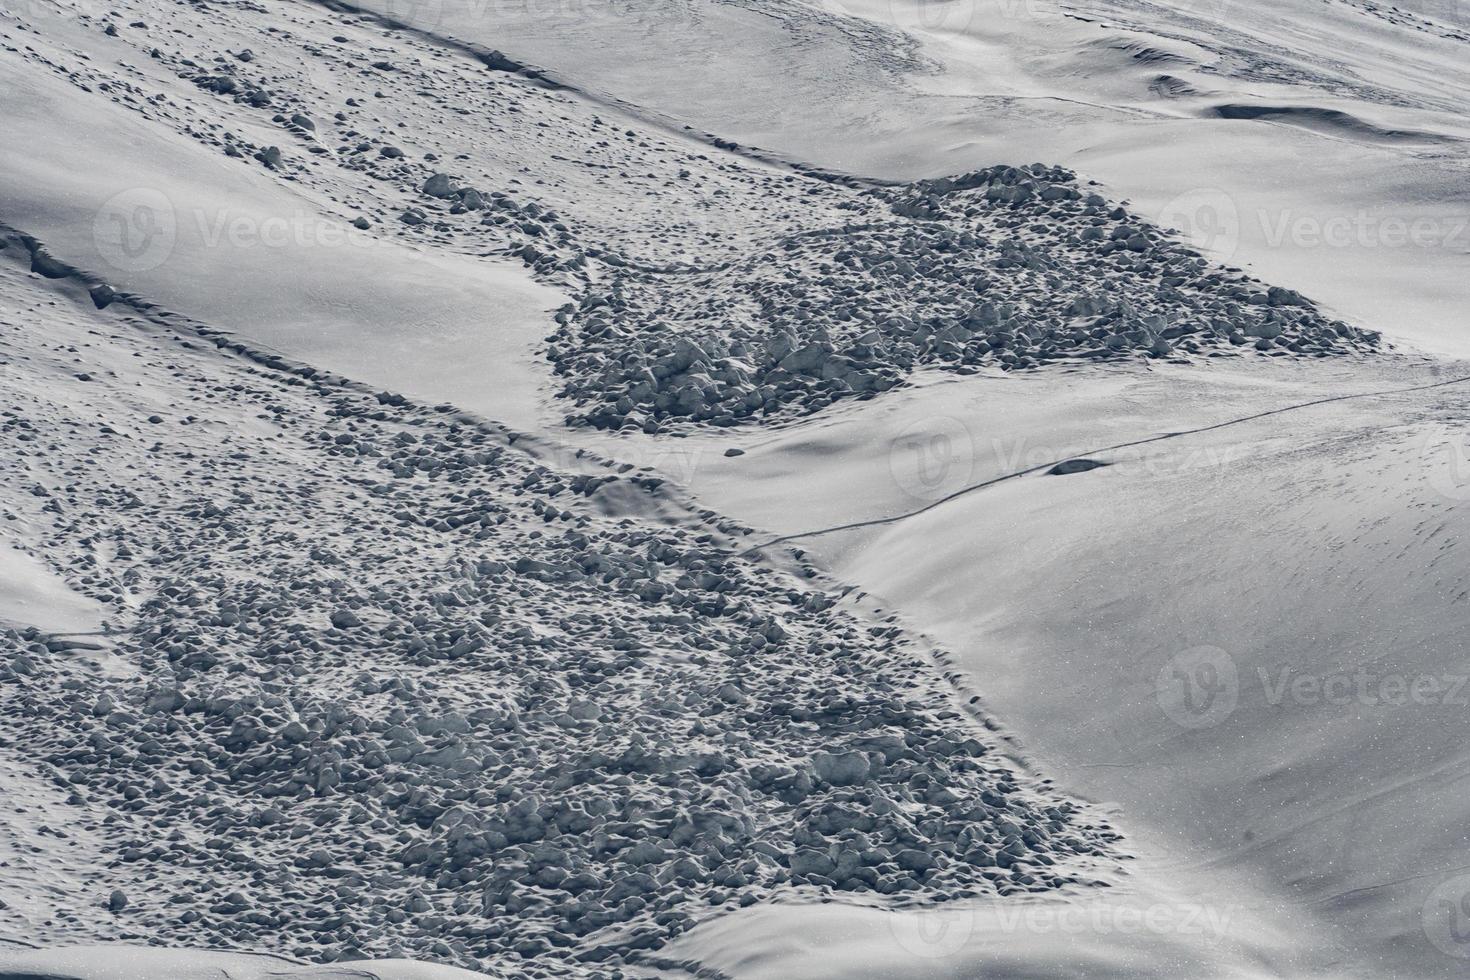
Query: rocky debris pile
x=546, y=244
x=1007, y=268
x=397, y=688
x=239, y=87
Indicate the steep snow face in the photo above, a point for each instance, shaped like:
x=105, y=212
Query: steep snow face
x=199, y=230
x=407, y=658
x=1259, y=656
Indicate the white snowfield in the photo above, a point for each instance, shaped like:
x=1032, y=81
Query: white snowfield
x=545, y=489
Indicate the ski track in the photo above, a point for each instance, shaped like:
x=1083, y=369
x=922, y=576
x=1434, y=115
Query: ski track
x=1098, y=451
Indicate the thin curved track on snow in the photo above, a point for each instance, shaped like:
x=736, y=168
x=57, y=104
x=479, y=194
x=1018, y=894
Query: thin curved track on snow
x=1041, y=467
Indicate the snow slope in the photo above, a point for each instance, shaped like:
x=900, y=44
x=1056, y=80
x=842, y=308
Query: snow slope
x=31, y=594
x=1302, y=568
x=1319, y=603
x=403, y=684
x=1298, y=567
x=282, y=269
x=1321, y=143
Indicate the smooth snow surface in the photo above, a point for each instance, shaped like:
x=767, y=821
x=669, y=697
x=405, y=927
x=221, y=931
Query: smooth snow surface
x=121, y=962
x=32, y=595
x=1304, y=564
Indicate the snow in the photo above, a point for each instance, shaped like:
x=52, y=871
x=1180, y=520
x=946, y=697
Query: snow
x=1124, y=935
x=32, y=595
x=1079, y=84
x=1328, y=614
x=243, y=254
x=1198, y=605
x=118, y=962
x=1309, y=558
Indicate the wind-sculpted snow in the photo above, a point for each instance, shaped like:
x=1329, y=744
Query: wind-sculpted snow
x=392, y=686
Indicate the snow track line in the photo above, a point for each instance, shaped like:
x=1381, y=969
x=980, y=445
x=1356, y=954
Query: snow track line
x=1017, y=474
